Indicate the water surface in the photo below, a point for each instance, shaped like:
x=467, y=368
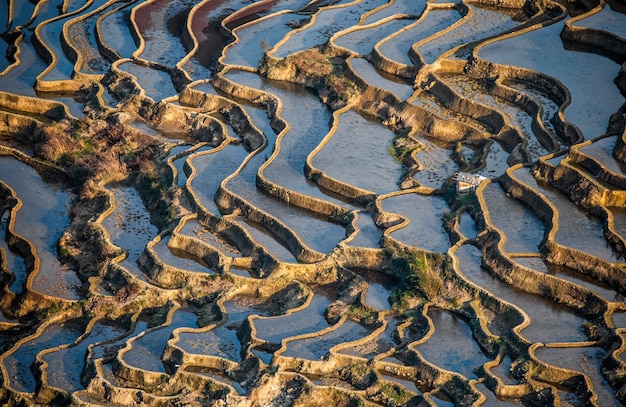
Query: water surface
x=42, y=219
x=549, y=322
x=588, y=77
x=424, y=213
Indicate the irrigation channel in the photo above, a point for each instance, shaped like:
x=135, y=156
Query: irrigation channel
x=291, y=203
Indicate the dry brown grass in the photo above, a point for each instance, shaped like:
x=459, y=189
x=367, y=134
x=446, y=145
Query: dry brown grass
x=57, y=142
x=313, y=63
x=94, y=149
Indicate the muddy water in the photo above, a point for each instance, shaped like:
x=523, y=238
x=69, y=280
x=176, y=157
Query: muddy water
x=503, y=371
x=548, y=106
x=424, y=213
x=308, y=320
x=588, y=77
x=115, y=31
x=317, y=233
x=572, y=222
x=42, y=219
x=104, y=349
x=22, y=14
x=146, y=350
x=517, y=118
x=129, y=226
x=407, y=384
x=179, y=164
x=81, y=34
x=18, y=363
x=524, y=231
x=65, y=366
x=266, y=357
x=73, y=104
x=316, y=347
x=358, y=154
x=451, y=346
x=585, y=360
x=362, y=41
x=71, y=6
x=374, y=77
x=550, y=322
x=309, y=121
x=14, y=263
x=379, y=288
x=368, y=234
x=287, y=170
x=397, y=47
x=4, y=46
x=328, y=21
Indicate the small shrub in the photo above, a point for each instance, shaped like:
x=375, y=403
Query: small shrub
x=420, y=278
x=396, y=393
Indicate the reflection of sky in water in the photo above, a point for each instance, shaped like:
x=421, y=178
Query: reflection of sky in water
x=572, y=222
x=522, y=227
x=18, y=363
x=42, y=219
x=585, y=360
x=358, y=154
x=368, y=234
x=437, y=164
x=318, y=346
x=550, y=322
x=452, y=346
x=65, y=366
x=156, y=84
x=588, y=77
x=328, y=22
x=307, y=320
x=146, y=350
x=397, y=47
x=425, y=214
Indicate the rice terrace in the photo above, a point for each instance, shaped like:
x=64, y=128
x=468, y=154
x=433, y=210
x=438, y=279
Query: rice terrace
x=313, y=203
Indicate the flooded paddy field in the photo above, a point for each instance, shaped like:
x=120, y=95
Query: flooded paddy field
x=292, y=203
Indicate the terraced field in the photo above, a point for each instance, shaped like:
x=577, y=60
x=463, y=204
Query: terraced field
x=240, y=203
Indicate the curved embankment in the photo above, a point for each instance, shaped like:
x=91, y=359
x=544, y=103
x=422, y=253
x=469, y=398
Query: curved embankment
x=238, y=291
